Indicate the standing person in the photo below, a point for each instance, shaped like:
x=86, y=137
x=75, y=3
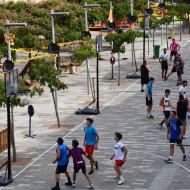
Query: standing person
x=174, y=134
x=179, y=68
x=174, y=47
x=91, y=140
x=181, y=109
x=79, y=163
x=165, y=104
x=120, y=156
x=144, y=69
x=62, y=160
x=164, y=63
x=149, y=100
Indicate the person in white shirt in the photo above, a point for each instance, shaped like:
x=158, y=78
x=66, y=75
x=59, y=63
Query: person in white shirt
x=120, y=156
x=164, y=63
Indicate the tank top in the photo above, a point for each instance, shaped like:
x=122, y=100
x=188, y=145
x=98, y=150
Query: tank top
x=64, y=160
x=166, y=103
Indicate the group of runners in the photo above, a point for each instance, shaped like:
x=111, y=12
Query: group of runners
x=91, y=139
x=175, y=116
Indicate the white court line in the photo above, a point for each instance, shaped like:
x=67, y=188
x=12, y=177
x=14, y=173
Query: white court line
x=158, y=156
x=77, y=127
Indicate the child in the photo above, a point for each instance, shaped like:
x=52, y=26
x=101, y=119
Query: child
x=62, y=160
x=174, y=134
x=79, y=163
x=120, y=157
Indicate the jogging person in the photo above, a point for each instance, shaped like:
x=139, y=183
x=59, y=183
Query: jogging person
x=91, y=140
x=149, y=100
x=79, y=163
x=174, y=47
x=174, y=134
x=144, y=69
x=62, y=160
x=120, y=156
x=165, y=104
x=181, y=109
x=164, y=63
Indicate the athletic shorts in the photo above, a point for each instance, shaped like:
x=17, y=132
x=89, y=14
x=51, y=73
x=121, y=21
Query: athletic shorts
x=173, y=53
x=174, y=70
x=166, y=114
x=179, y=72
x=164, y=65
x=61, y=169
x=81, y=167
x=173, y=141
x=149, y=102
x=119, y=163
x=183, y=122
x=89, y=149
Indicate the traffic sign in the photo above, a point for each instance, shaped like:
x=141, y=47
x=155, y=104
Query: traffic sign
x=112, y=60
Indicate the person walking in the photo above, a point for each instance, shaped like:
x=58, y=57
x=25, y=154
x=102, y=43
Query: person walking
x=149, y=100
x=179, y=68
x=79, y=163
x=120, y=156
x=174, y=134
x=165, y=104
x=62, y=161
x=181, y=109
x=164, y=63
x=144, y=69
x=91, y=140
x=174, y=48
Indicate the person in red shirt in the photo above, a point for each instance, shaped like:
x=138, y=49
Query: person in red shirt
x=174, y=47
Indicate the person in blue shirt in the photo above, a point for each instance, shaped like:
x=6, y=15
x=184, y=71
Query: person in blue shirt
x=149, y=101
x=174, y=134
x=91, y=139
x=62, y=160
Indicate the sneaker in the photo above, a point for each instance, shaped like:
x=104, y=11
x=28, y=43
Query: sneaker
x=55, y=188
x=169, y=160
x=96, y=165
x=68, y=183
x=91, y=172
x=161, y=126
x=91, y=186
x=116, y=177
x=150, y=117
x=121, y=181
x=184, y=157
x=142, y=90
x=73, y=185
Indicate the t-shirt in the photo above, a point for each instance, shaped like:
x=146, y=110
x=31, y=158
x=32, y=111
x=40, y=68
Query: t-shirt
x=119, y=154
x=182, y=109
x=149, y=88
x=174, y=47
x=183, y=91
x=175, y=131
x=90, y=134
x=64, y=159
x=164, y=56
x=76, y=154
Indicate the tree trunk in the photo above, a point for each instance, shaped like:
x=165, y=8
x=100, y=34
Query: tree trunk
x=56, y=111
x=153, y=41
x=167, y=35
x=13, y=135
x=136, y=67
x=180, y=30
x=119, y=69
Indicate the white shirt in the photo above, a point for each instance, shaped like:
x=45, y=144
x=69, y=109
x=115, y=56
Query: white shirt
x=164, y=57
x=119, y=154
x=166, y=106
x=183, y=91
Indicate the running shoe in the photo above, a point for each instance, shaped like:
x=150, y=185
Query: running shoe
x=91, y=172
x=121, y=181
x=150, y=117
x=142, y=90
x=169, y=160
x=68, y=183
x=91, y=186
x=184, y=157
x=73, y=185
x=116, y=177
x=55, y=188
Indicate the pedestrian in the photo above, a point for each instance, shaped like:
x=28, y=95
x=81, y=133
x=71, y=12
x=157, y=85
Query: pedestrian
x=174, y=47
x=174, y=134
x=149, y=100
x=120, y=156
x=181, y=109
x=174, y=70
x=179, y=68
x=165, y=104
x=144, y=69
x=164, y=63
x=91, y=140
x=62, y=160
x=79, y=163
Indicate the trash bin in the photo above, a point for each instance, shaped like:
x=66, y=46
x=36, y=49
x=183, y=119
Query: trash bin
x=156, y=51
x=171, y=33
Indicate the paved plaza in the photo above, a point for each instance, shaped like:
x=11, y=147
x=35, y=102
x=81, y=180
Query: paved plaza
x=123, y=110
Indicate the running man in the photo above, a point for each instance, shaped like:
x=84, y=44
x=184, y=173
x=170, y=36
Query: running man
x=165, y=104
x=174, y=47
x=149, y=100
x=120, y=156
x=174, y=134
x=164, y=63
x=91, y=140
x=79, y=163
x=62, y=160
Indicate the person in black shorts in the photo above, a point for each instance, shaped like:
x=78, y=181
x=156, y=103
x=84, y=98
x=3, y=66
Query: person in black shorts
x=164, y=63
x=144, y=69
